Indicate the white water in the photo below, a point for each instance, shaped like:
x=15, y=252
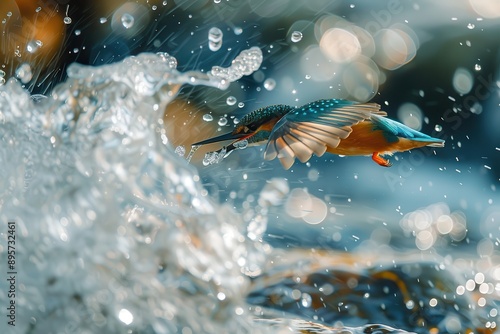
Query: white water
x=113, y=229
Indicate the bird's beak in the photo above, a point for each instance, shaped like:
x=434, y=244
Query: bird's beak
x=224, y=137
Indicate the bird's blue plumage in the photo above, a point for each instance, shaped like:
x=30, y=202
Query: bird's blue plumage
x=320, y=112
x=333, y=113
x=392, y=130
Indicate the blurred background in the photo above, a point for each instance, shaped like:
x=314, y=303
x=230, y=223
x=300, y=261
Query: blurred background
x=431, y=65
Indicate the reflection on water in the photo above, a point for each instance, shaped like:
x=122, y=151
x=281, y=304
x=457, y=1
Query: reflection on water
x=417, y=296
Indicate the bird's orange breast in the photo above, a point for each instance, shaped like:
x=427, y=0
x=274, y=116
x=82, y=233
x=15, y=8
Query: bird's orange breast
x=364, y=140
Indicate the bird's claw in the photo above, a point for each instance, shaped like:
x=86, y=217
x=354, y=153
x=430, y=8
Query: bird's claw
x=381, y=161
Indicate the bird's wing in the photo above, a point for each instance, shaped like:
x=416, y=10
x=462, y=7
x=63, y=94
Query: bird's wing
x=314, y=126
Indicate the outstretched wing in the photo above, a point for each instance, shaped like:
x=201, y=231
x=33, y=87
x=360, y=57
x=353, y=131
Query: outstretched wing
x=314, y=126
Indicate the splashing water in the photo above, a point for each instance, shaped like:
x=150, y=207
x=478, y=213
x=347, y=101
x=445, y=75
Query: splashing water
x=222, y=121
x=296, y=36
x=180, y=150
x=215, y=39
x=208, y=118
x=214, y=157
x=127, y=20
x=103, y=207
x=231, y=101
x=241, y=144
x=24, y=73
x=33, y=46
x=193, y=150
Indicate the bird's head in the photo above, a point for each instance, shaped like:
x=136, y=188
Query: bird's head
x=259, y=120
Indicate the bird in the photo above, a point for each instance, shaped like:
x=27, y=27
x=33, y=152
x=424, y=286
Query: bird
x=335, y=126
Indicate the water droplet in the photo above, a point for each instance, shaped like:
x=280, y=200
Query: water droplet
x=127, y=20
x=477, y=67
x=308, y=77
x=126, y=316
x=352, y=5
x=231, y=101
x=9, y=14
x=33, y=46
x=241, y=144
x=306, y=300
x=38, y=9
x=241, y=105
x=471, y=26
x=238, y=31
x=216, y=1
x=296, y=36
x=67, y=20
x=410, y=304
x=37, y=98
x=75, y=50
x=191, y=152
x=214, y=157
x=476, y=108
x=208, y=118
x=78, y=32
x=269, y=84
x=438, y=128
x=164, y=3
x=154, y=7
x=222, y=121
x=207, y=160
x=103, y=20
x=215, y=38
x=180, y=150
x=24, y=73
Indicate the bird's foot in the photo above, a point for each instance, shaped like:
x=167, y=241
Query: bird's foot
x=381, y=161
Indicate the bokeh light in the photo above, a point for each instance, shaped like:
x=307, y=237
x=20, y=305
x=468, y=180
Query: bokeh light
x=411, y=115
x=394, y=48
x=486, y=8
x=463, y=80
x=361, y=79
x=431, y=224
x=301, y=204
x=340, y=45
x=317, y=65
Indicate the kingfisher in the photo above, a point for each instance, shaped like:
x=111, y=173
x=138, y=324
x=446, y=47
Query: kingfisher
x=330, y=125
